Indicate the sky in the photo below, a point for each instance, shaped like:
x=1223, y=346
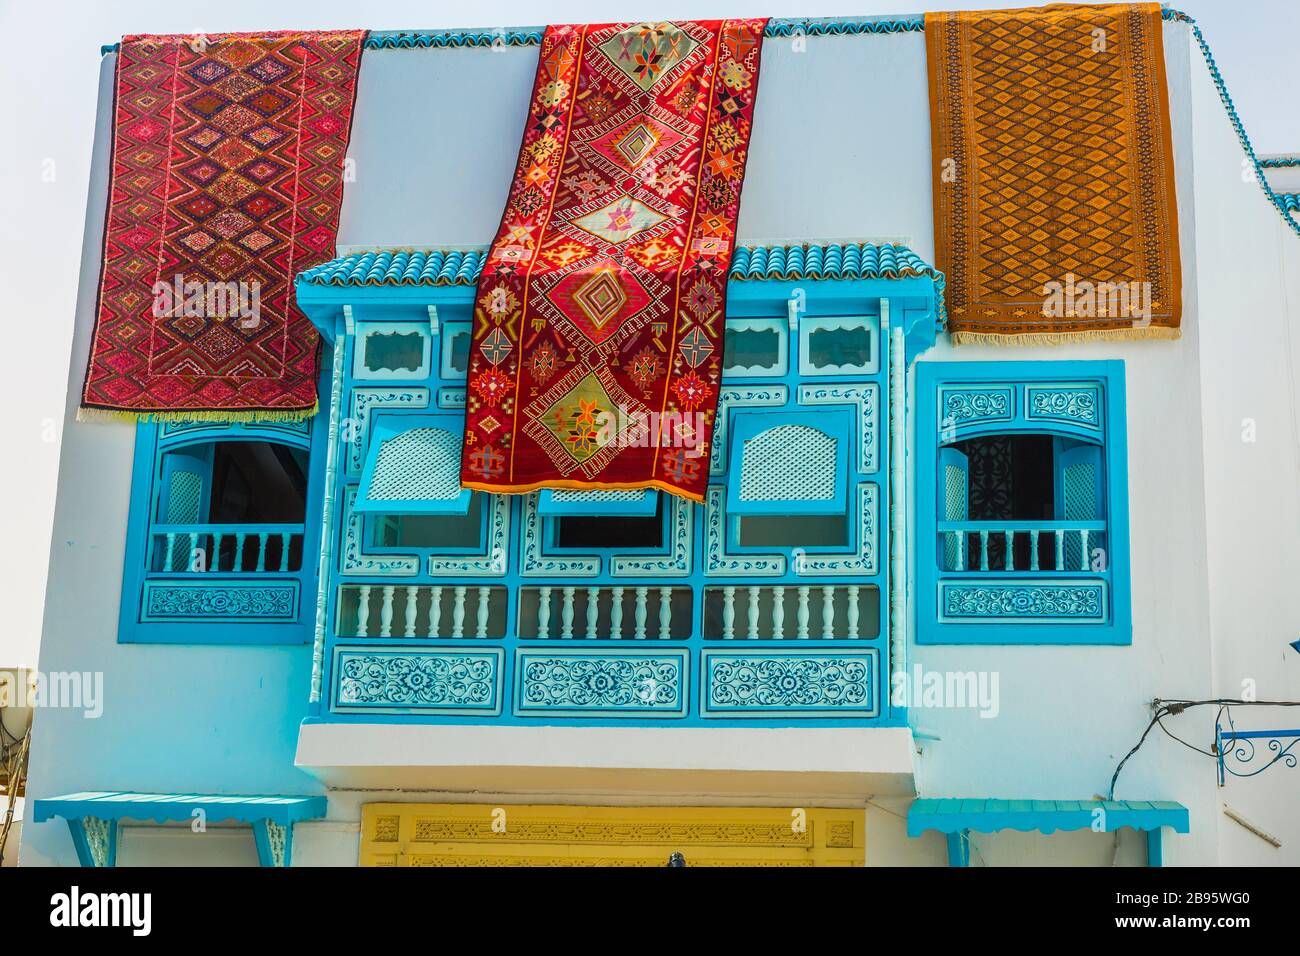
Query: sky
x=47, y=111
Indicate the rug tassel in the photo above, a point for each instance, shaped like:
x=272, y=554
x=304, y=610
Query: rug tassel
x=1064, y=338
x=251, y=417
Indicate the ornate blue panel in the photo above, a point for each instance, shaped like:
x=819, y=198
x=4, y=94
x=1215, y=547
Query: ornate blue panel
x=354, y=559
x=975, y=404
x=790, y=683
x=1072, y=404
x=495, y=560
x=1083, y=602
x=418, y=682
x=717, y=560
x=752, y=396
x=363, y=401
x=862, y=560
x=609, y=682
x=677, y=562
x=216, y=601
x=451, y=397
x=866, y=401
x=533, y=562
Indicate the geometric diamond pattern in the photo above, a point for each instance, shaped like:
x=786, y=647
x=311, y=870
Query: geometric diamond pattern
x=603, y=295
x=1053, y=127
x=227, y=168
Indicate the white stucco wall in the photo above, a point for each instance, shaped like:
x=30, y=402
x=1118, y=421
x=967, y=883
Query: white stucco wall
x=840, y=151
x=1249, y=291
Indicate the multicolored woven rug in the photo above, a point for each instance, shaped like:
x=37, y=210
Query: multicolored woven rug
x=227, y=180
x=599, y=316
x=1055, y=214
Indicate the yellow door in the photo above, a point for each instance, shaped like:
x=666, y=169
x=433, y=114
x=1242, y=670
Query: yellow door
x=480, y=834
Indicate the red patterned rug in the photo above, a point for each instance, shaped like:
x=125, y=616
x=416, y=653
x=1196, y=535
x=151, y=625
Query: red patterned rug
x=227, y=180
x=598, y=324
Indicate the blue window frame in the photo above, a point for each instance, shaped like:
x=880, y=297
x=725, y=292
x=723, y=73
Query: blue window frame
x=1021, y=503
x=215, y=552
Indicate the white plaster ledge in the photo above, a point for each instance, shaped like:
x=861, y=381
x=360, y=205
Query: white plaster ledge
x=835, y=763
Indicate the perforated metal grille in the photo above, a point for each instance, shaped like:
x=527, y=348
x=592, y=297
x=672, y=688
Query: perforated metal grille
x=788, y=463
x=420, y=464
x=955, y=500
x=598, y=497
x=183, y=498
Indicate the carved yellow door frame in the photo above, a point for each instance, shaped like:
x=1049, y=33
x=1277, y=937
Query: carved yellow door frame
x=481, y=834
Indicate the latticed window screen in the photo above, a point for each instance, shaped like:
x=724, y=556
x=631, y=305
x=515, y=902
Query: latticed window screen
x=421, y=464
x=789, y=462
x=596, y=497
x=413, y=467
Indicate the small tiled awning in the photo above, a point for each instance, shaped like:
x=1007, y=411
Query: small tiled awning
x=956, y=818
x=92, y=817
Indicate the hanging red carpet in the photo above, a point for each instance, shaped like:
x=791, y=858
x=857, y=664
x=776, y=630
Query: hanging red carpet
x=599, y=316
x=227, y=180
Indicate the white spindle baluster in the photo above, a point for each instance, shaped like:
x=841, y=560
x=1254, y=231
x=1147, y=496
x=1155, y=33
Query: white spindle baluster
x=802, y=616
x=616, y=614
x=435, y=611
x=828, y=612
x=481, y=622
x=239, y=551
x=728, y=612
x=1033, y=551
x=1060, y=550
x=665, y=614
x=408, y=617
x=1083, y=550
x=458, y=611
x=752, y=630
x=171, y=549
x=386, y=612
x=1009, y=562
x=543, y=613
x=363, y=611
x=852, y=612
x=261, y=552
x=566, y=615
x=640, y=613
x=984, y=550
x=284, y=552
x=778, y=613
x=961, y=550
x=593, y=612
x=216, y=551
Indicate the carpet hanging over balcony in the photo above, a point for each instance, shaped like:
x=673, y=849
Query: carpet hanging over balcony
x=598, y=322
x=1055, y=215
x=227, y=180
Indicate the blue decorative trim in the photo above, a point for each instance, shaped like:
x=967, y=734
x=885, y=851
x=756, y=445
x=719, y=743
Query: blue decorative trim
x=354, y=560
x=677, y=563
x=866, y=401
x=1084, y=401
x=365, y=398
x=1240, y=756
x=1045, y=816
x=993, y=603
x=214, y=601
x=1072, y=404
x=173, y=807
x=959, y=406
x=610, y=682
x=791, y=683
x=418, y=682
x=717, y=560
x=863, y=559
